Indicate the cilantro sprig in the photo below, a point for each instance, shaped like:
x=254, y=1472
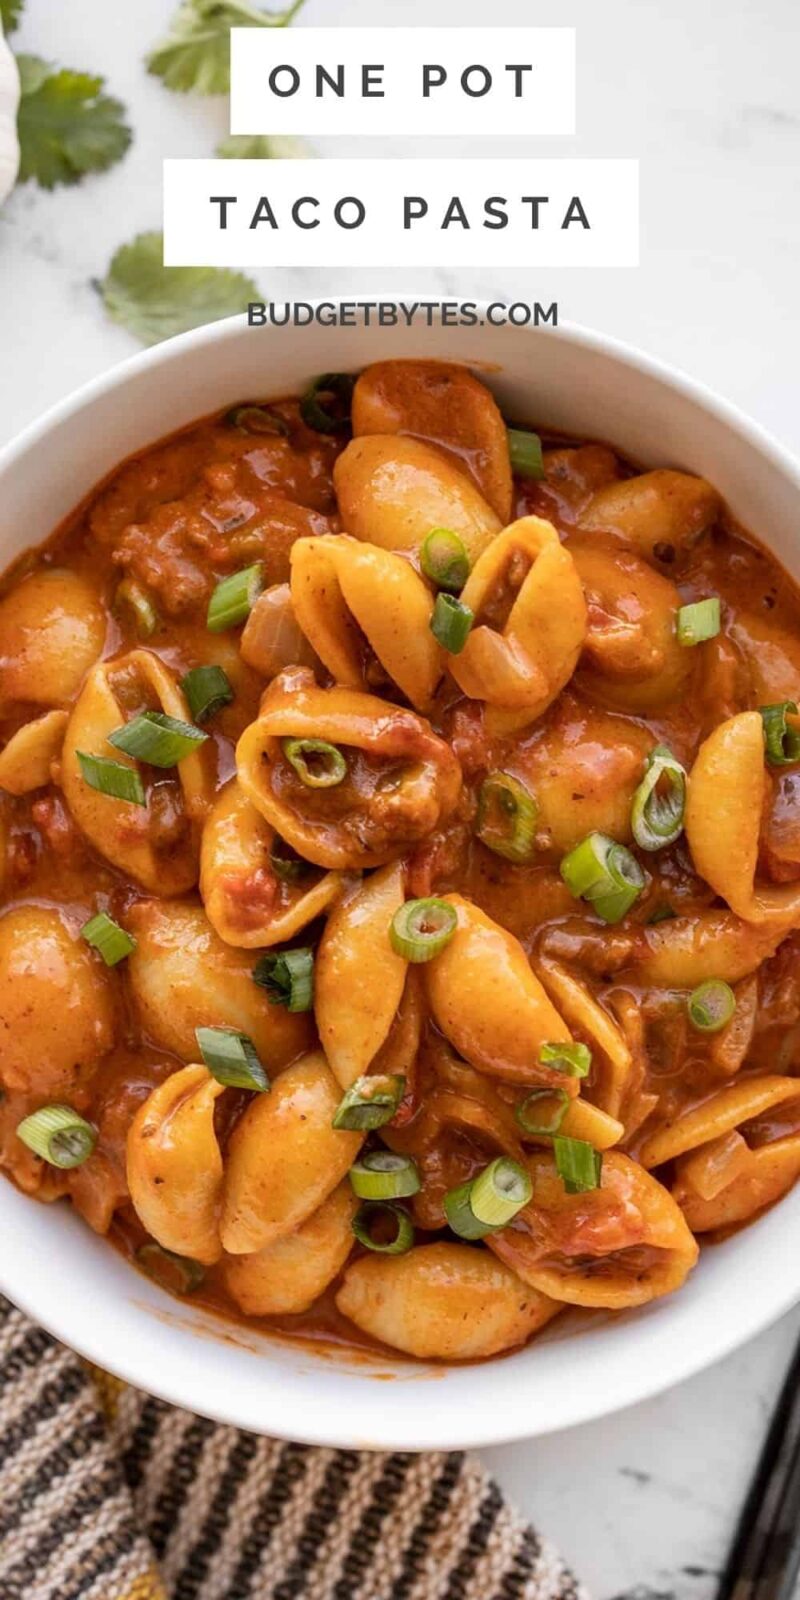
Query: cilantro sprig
x=66, y=125
x=10, y=13
x=196, y=53
x=154, y=302
x=262, y=147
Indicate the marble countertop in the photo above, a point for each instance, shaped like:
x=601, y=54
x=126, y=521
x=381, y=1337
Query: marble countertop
x=706, y=96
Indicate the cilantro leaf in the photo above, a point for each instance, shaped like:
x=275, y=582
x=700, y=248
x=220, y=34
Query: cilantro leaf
x=263, y=147
x=66, y=125
x=196, y=54
x=10, y=13
x=153, y=301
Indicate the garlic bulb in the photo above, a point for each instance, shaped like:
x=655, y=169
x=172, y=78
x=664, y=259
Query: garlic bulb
x=9, y=102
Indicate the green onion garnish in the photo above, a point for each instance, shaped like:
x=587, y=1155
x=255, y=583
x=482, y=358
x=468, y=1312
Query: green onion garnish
x=507, y=815
x=318, y=764
x=660, y=801
x=451, y=623
x=525, y=452
x=207, y=689
x=699, y=621
x=257, y=419
x=781, y=740
x=578, y=1164
x=288, y=867
x=571, y=1058
x=234, y=598
x=605, y=874
x=159, y=740
x=460, y=1215
x=231, y=1058
x=444, y=559
x=106, y=936
x=133, y=598
x=420, y=929
x=177, y=1274
x=288, y=977
x=489, y=1201
x=382, y=1175
x=370, y=1102
x=531, y=1112
x=336, y=388
x=58, y=1135
x=112, y=778
x=711, y=1005
x=381, y=1211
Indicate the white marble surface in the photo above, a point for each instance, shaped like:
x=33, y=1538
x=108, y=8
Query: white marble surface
x=706, y=96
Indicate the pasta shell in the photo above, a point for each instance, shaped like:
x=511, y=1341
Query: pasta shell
x=593, y=1023
x=287, y=1276
x=720, y=1113
x=56, y=1007
x=26, y=761
x=175, y=1166
x=358, y=976
x=284, y=1157
x=684, y=951
x=392, y=491
x=246, y=904
x=660, y=514
x=632, y=660
x=769, y=1173
x=52, y=630
x=344, y=592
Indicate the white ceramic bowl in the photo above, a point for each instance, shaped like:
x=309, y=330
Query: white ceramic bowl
x=74, y=1283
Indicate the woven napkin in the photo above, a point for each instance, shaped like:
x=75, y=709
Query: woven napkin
x=109, y=1494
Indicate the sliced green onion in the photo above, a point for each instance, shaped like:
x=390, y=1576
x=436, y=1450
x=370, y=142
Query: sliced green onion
x=660, y=801
x=460, y=1215
x=159, y=740
x=507, y=815
x=711, y=1005
x=500, y=1191
x=318, y=764
x=578, y=1164
x=288, y=977
x=699, y=621
x=444, y=559
x=135, y=599
x=605, y=874
x=530, y=1112
x=451, y=623
x=383, y=1175
x=525, y=452
x=334, y=415
x=207, y=690
x=571, y=1058
x=381, y=1211
x=288, y=867
x=234, y=598
x=106, y=936
x=420, y=929
x=58, y=1135
x=112, y=778
x=781, y=740
x=257, y=419
x=177, y=1274
x=231, y=1058
x=370, y=1102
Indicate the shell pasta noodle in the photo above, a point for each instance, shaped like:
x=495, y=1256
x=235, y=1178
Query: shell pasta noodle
x=400, y=868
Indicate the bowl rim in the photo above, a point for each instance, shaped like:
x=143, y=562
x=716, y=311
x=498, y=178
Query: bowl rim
x=478, y=1427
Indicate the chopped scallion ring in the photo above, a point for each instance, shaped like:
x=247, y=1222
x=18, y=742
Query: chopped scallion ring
x=699, y=621
x=130, y=596
x=288, y=977
x=531, y=1113
x=578, y=1164
x=420, y=929
x=444, y=559
x=318, y=764
x=569, y=1057
x=781, y=738
x=59, y=1135
x=177, y=1274
x=106, y=936
x=660, y=801
x=112, y=778
x=159, y=740
x=605, y=874
x=231, y=1058
x=336, y=390
x=488, y=1202
x=507, y=815
x=451, y=623
x=382, y=1175
x=370, y=1102
x=234, y=598
x=207, y=690
x=525, y=452
x=711, y=1005
x=460, y=1215
x=257, y=419
x=383, y=1213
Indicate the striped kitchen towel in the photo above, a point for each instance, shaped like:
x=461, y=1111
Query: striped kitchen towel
x=108, y=1494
